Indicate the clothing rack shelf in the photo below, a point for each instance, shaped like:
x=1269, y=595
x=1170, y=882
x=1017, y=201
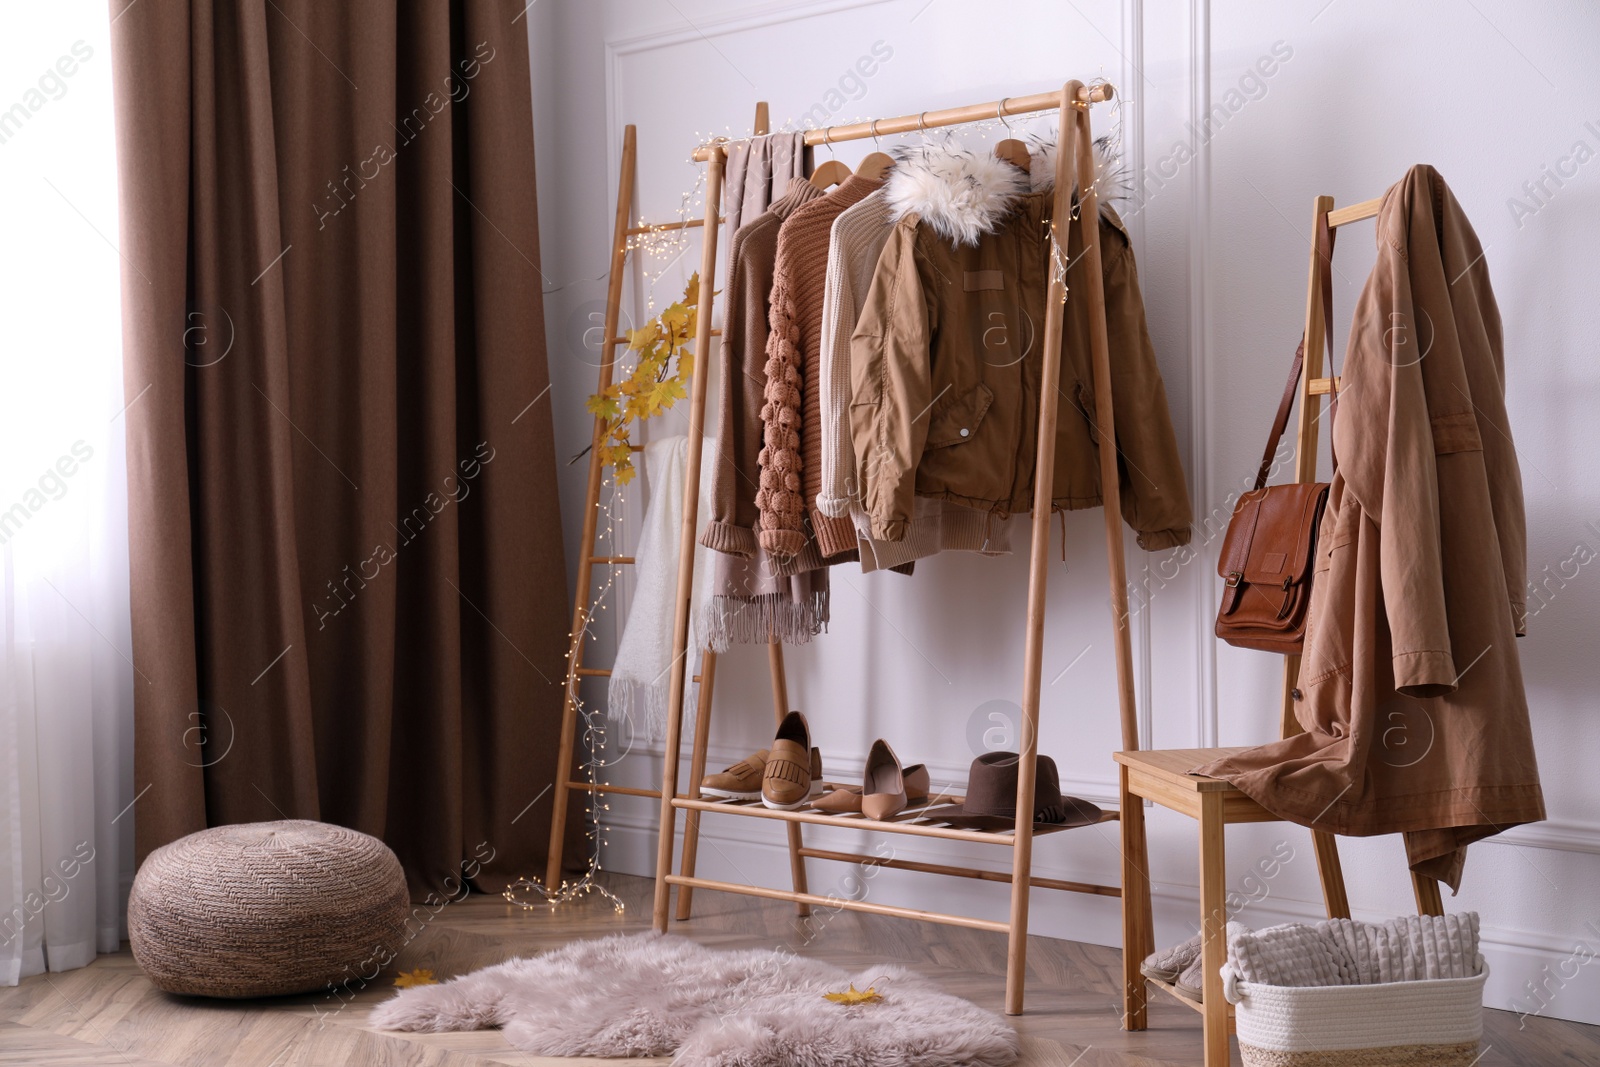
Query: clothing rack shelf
x=907, y=822
x=1076, y=248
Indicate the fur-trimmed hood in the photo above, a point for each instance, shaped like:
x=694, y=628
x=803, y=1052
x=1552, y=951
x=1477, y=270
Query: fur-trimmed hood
x=963, y=195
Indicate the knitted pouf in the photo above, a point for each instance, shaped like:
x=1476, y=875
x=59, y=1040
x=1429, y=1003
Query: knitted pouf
x=266, y=908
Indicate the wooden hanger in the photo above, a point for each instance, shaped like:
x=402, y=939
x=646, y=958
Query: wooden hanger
x=832, y=172
x=829, y=174
x=874, y=166
x=1011, y=150
x=1014, y=152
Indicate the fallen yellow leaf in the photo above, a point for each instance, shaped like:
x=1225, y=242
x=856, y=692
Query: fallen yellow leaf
x=420, y=976
x=870, y=995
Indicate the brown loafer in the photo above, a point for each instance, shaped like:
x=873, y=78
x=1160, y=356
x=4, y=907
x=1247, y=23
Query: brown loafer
x=883, y=787
x=793, y=774
x=742, y=781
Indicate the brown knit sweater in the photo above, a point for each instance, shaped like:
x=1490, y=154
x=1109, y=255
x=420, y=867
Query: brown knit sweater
x=743, y=353
x=791, y=462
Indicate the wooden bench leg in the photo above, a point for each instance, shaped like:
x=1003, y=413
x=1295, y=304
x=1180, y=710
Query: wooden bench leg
x=1138, y=931
x=1331, y=871
x=1429, y=899
x=1213, y=927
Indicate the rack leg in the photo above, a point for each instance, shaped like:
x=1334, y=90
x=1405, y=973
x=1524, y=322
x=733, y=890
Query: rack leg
x=687, y=532
x=1039, y=569
x=780, y=708
x=1138, y=928
x=697, y=773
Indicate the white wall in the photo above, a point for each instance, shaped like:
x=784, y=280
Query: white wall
x=1489, y=92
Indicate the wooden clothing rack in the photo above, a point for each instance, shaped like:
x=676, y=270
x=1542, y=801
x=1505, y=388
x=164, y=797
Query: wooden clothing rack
x=1076, y=239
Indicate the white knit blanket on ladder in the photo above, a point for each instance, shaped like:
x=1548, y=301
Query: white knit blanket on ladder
x=643, y=667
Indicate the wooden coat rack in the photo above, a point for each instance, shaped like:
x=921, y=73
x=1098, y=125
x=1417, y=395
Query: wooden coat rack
x=1076, y=236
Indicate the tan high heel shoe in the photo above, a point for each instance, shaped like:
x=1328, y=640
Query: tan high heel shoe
x=846, y=800
x=883, y=786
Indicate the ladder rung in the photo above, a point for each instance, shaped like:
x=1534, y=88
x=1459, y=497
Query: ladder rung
x=621, y=790
x=624, y=340
x=604, y=672
x=1323, y=386
x=1354, y=213
x=663, y=227
x=610, y=559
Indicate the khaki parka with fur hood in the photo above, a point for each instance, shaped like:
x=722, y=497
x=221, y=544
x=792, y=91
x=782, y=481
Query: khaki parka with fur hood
x=946, y=358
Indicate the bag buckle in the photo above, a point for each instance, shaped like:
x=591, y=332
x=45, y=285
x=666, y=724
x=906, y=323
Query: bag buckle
x=1233, y=579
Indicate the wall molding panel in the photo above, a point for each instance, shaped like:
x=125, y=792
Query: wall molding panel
x=1221, y=254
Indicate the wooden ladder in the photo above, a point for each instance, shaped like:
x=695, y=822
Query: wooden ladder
x=583, y=604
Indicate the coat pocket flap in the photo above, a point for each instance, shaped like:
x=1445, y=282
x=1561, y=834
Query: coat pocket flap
x=957, y=419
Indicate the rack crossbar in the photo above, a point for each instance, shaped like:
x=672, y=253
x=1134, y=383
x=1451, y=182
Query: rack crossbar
x=959, y=872
x=952, y=116
x=991, y=925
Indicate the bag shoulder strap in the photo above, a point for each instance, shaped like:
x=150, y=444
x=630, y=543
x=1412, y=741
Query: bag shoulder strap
x=1281, y=421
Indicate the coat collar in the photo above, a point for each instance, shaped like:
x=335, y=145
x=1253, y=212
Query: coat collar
x=964, y=195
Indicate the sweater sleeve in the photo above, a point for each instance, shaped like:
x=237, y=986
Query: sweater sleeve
x=722, y=531
x=779, y=498
x=838, y=454
x=889, y=375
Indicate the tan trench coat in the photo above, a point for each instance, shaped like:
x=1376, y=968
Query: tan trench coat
x=1412, y=696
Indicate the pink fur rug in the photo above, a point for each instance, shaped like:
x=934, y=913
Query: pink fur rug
x=653, y=995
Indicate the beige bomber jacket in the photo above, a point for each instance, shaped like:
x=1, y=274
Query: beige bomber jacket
x=946, y=359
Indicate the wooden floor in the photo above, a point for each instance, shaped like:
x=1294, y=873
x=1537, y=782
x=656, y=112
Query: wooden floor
x=108, y=1013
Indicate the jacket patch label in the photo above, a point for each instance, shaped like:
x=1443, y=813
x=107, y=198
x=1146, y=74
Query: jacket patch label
x=980, y=281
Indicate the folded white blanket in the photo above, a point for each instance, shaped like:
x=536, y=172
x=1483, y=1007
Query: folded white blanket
x=644, y=655
x=1344, y=952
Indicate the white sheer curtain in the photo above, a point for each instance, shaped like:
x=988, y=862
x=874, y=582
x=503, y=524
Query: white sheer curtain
x=66, y=684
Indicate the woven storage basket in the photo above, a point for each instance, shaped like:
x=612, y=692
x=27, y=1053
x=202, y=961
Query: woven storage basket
x=1397, y=1024
x=267, y=908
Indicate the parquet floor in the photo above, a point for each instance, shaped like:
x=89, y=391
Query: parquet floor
x=108, y=1013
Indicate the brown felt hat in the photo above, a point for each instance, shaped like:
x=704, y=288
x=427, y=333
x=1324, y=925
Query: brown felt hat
x=991, y=802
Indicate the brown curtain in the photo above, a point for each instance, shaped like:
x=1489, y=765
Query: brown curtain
x=349, y=594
